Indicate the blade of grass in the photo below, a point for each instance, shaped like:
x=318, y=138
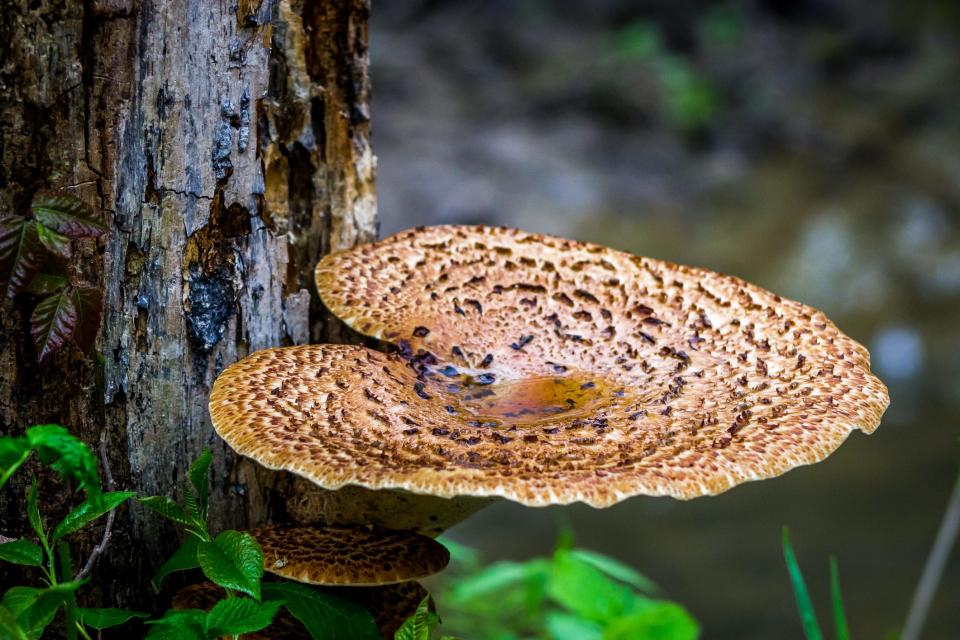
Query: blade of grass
x=839, y=615
x=936, y=561
x=811, y=628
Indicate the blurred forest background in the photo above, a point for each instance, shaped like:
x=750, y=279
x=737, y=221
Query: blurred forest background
x=812, y=147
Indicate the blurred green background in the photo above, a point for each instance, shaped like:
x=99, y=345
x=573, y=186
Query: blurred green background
x=812, y=147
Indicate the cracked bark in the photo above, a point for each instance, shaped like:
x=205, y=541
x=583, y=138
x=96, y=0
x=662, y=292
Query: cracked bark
x=227, y=147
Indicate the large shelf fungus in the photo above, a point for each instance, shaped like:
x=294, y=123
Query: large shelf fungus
x=543, y=371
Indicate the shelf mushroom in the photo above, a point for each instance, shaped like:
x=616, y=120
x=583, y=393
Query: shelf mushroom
x=543, y=371
x=348, y=556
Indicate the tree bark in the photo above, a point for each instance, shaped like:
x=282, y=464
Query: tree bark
x=227, y=147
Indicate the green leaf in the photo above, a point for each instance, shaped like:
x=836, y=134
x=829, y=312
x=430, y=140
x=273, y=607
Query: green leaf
x=418, y=626
x=836, y=596
x=9, y=629
x=811, y=628
x=87, y=512
x=33, y=608
x=616, y=570
x=199, y=478
x=33, y=511
x=193, y=507
x=88, y=301
x=66, y=455
x=70, y=602
x=67, y=215
x=325, y=615
x=234, y=616
x=167, y=508
x=183, y=559
x=13, y=453
x=108, y=617
x=585, y=591
x=233, y=560
x=21, y=254
x=52, y=323
x=54, y=242
x=186, y=624
x=22, y=552
x=564, y=626
x=654, y=620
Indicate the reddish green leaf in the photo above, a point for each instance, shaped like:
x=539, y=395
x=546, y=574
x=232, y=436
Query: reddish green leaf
x=52, y=323
x=54, y=242
x=67, y=215
x=21, y=253
x=89, y=305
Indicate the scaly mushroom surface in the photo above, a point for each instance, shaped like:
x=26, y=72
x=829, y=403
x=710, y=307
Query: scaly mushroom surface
x=348, y=555
x=547, y=371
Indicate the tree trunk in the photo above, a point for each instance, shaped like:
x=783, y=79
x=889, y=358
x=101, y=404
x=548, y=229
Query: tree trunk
x=226, y=145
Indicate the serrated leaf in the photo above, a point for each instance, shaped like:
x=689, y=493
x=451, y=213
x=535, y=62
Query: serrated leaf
x=67, y=215
x=67, y=455
x=200, y=479
x=325, y=615
x=21, y=254
x=33, y=511
x=419, y=626
x=55, y=243
x=52, y=324
x=22, y=551
x=186, y=624
x=46, y=284
x=190, y=501
x=88, y=511
x=233, y=560
x=234, y=616
x=88, y=302
x=616, y=570
x=9, y=627
x=183, y=559
x=167, y=508
x=107, y=617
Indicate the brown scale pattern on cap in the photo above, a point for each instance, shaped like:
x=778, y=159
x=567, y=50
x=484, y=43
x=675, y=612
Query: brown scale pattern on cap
x=206, y=594
x=547, y=371
x=348, y=555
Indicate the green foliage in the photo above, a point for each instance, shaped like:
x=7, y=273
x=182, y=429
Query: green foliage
x=26, y=611
x=420, y=625
x=808, y=617
x=234, y=560
x=32, y=248
x=575, y=594
x=22, y=551
x=109, y=617
x=325, y=615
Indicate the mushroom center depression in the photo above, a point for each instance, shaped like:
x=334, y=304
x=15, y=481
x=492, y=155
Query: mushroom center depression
x=484, y=400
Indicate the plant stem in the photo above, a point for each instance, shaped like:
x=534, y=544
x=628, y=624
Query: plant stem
x=107, y=531
x=933, y=570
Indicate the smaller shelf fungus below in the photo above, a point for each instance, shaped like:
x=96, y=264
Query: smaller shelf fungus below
x=544, y=371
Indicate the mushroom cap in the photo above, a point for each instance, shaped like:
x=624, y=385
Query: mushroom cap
x=352, y=556
x=547, y=371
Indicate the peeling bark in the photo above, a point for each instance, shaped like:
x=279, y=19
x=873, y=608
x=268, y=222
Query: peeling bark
x=227, y=146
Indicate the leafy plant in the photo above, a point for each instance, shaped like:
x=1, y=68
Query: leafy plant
x=808, y=616
x=234, y=560
x=25, y=611
x=33, y=251
x=575, y=594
